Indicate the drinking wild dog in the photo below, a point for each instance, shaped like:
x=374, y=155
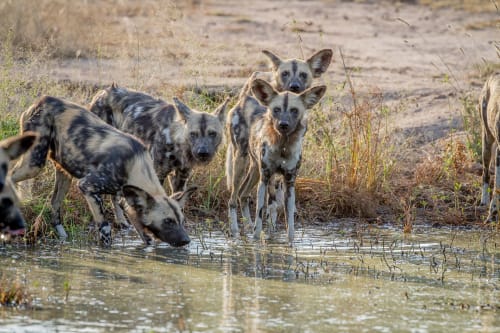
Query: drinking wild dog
x=11, y=219
x=294, y=75
x=272, y=135
x=489, y=108
x=105, y=161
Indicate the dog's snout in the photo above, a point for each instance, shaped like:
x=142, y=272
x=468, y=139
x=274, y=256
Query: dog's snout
x=294, y=87
x=283, y=125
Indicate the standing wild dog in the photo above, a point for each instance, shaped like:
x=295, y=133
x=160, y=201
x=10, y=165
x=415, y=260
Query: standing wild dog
x=273, y=139
x=177, y=137
x=105, y=161
x=11, y=219
x=489, y=107
x=294, y=75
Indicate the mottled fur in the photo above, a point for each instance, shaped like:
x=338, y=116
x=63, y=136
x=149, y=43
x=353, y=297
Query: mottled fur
x=489, y=108
x=287, y=75
x=272, y=137
x=177, y=137
x=11, y=219
x=105, y=161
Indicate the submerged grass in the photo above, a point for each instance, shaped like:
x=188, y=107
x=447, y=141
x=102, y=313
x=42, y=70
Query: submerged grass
x=14, y=293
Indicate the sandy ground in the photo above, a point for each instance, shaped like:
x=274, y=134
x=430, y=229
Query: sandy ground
x=422, y=59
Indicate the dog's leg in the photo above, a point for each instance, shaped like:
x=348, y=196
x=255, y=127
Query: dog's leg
x=119, y=215
x=179, y=180
x=493, y=214
x=91, y=187
x=487, y=145
x=290, y=203
x=276, y=201
x=260, y=210
x=239, y=165
x=61, y=188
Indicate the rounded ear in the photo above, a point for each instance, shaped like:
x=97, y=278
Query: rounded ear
x=181, y=197
x=312, y=96
x=263, y=91
x=221, y=111
x=182, y=109
x=320, y=61
x=137, y=198
x=275, y=60
x=18, y=145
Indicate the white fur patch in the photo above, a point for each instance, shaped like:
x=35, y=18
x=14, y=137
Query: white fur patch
x=166, y=134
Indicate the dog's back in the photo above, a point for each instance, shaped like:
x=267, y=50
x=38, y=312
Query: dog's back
x=78, y=140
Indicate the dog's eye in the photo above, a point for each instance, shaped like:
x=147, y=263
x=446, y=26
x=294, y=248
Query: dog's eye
x=193, y=135
x=212, y=134
x=4, y=167
x=169, y=222
x=303, y=76
x=276, y=110
x=285, y=74
x=294, y=111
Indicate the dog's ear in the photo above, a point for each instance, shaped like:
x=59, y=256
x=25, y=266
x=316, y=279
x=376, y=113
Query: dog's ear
x=18, y=145
x=320, y=61
x=137, y=198
x=275, y=60
x=221, y=111
x=312, y=96
x=263, y=91
x=181, y=197
x=182, y=109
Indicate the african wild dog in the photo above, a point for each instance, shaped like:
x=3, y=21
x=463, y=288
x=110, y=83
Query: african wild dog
x=11, y=219
x=294, y=75
x=489, y=107
x=177, y=137
x=105, y=161
x=273, y=139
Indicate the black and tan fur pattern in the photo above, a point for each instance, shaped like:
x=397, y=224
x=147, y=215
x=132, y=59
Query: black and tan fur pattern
x=105, y=161
x=11, y=219
x=489, y=107
x=275, y=132
x=177, y=136
x=294, y=75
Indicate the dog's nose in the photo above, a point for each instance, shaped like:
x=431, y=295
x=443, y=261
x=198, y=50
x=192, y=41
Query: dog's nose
x=203, y=153
x=294, y=87
x=283, y=125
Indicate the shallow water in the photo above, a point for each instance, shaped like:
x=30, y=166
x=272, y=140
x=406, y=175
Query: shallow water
x=335, y=278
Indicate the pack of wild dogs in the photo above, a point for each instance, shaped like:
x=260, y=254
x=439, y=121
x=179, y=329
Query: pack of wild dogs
x=128, y=144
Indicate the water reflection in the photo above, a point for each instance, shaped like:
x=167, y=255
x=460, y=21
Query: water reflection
x=337, y=277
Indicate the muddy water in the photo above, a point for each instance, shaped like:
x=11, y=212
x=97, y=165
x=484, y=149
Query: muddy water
x=334, y=279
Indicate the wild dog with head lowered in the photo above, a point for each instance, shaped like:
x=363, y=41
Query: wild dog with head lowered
x=11, y=219
x=294, y=75
x=105, y=161
x=489, y=108
x=273, y=138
